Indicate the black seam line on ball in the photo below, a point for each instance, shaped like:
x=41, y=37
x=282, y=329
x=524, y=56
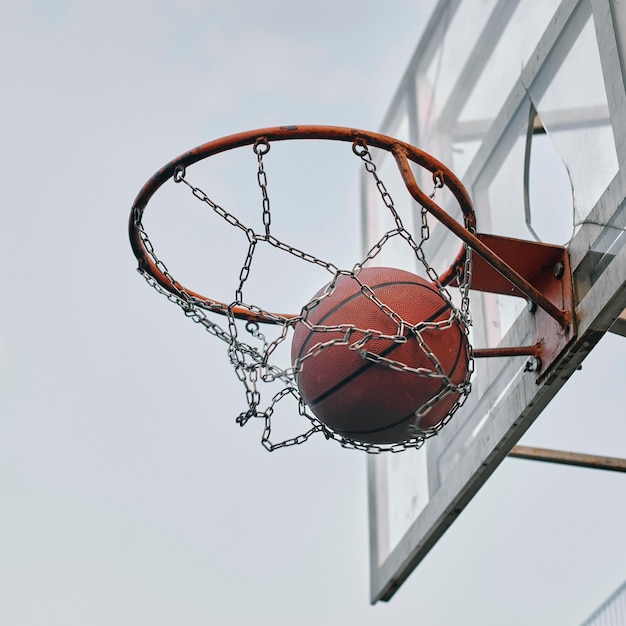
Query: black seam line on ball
x=406, y=417
x=338, y=306
x=368, y=364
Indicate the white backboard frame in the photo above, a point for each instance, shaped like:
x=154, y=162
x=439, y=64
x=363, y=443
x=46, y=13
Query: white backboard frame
x=416, y=495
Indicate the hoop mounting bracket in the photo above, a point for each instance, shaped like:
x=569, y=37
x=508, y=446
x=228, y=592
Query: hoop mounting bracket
x=547, y=268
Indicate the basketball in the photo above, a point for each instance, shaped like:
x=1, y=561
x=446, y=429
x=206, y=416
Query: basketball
x=361, y=396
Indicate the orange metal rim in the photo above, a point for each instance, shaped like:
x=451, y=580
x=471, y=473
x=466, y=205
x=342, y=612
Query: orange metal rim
x=402, y=151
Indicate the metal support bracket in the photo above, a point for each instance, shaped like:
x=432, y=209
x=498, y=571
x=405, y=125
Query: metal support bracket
x=547, y=268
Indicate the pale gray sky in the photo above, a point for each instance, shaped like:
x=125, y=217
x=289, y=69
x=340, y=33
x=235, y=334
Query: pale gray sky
x=128, y=493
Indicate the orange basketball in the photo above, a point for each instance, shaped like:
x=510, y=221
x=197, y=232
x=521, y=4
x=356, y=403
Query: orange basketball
x=366, y=400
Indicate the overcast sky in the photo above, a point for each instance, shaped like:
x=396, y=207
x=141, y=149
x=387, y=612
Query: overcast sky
x=128, y=495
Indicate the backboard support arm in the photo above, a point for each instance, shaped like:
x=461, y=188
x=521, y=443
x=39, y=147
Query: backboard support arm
x=593, y=461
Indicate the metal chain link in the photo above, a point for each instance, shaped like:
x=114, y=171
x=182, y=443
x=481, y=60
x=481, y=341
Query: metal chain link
x=360, y=149
x=251, y=363
x=261, y=147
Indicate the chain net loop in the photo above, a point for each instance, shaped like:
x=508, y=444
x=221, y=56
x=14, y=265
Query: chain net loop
x=251, y=355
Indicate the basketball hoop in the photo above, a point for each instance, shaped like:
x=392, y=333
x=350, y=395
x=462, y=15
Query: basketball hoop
x=404, y=346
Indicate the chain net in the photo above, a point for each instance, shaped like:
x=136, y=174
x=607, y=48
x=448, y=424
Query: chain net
x=251, y=355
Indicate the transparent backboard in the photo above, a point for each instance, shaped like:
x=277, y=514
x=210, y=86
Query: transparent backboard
x=525, y=102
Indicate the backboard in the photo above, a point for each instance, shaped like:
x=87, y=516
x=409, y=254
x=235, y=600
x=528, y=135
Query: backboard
x=525, y=102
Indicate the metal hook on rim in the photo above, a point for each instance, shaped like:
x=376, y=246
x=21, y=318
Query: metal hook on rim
x=252, y=327
x=179, y=173
x=438, y=179
x=261, y=146
x=359, y=147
